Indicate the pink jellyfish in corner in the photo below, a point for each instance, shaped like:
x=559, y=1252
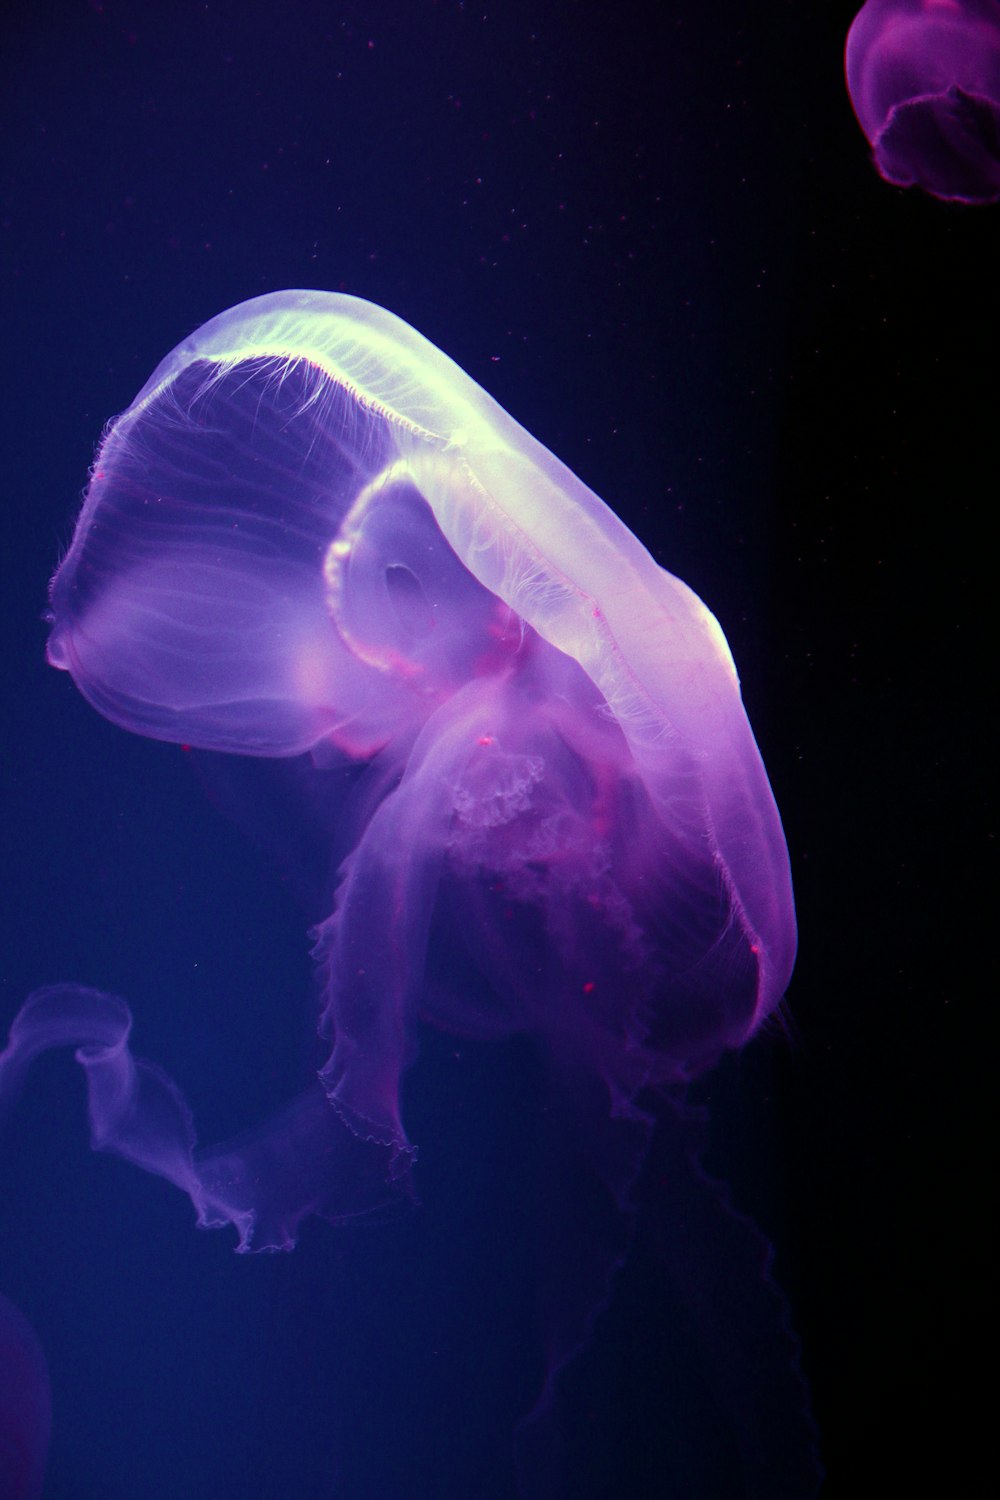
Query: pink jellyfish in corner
x=25, y=1407
x=924, y=80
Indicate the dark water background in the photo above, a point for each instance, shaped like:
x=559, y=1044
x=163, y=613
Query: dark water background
x=654, y=235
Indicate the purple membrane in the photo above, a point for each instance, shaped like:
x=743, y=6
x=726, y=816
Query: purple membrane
x=924, y=80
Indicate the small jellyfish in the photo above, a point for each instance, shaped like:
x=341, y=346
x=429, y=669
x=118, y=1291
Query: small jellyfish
x=25, y=1407
x=924, y=80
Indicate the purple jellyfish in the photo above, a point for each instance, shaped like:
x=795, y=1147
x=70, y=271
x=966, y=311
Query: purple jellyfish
x=25, y=1407
x=924, y=80
x=312, y=536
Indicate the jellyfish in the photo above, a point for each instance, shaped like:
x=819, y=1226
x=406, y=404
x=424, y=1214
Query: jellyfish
x=924, y=80
x=25, y=1406
x=313, y=540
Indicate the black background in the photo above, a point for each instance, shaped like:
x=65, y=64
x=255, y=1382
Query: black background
x=655, y=236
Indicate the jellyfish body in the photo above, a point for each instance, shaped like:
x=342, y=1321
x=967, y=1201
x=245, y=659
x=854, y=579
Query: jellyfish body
x=312, y=535
x=924, y=80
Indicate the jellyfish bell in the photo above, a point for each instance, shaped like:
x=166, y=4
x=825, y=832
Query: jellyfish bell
x=311, y=525
x=312, y=531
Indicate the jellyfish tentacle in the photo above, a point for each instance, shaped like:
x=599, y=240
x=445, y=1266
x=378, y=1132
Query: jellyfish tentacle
x=371, y=950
